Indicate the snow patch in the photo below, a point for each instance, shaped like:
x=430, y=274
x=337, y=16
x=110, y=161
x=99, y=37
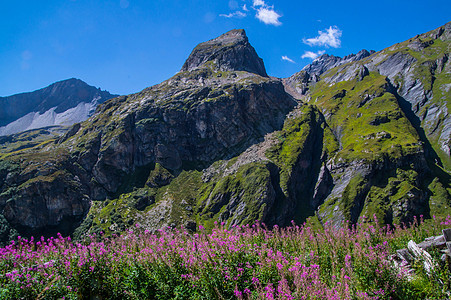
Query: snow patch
x=34, y=120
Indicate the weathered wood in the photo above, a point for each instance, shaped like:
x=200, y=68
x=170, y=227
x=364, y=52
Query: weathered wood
x=421, y=254
x=404, y=254
x=404, y=257
x=448, y=245
x=447, y=236
x=433, y=242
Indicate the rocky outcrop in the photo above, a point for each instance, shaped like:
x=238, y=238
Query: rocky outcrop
x=199, y=126
x=221, y=141
x=229, y=52
x=62, y=103
x=48, y=204
x=265, y=182
x=356, y=185
x=326, y=62
x=298, y=84
x=192, y=119
x=419, y=69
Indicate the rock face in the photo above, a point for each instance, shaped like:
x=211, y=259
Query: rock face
x=62, y=103
x=326, y=62
x=412, y=76
x=229, y=52
x=420, y=71
x=298, y=84
x=221, y=141
x=214, y=111
x=204, y=123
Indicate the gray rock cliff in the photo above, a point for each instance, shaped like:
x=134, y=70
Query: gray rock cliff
x=221, y=141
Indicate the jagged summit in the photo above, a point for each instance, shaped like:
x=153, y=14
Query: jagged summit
x=228, y=52
x=217, y=143
x=298, y=84
x=326, y=62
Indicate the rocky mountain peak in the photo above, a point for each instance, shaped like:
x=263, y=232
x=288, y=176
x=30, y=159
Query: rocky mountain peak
x=326, y=62
x=443, y=33
x=232, y=36
x=228, y=52
x=298, y=84
x=40, y=108
x=219, y=142
x=360, y=55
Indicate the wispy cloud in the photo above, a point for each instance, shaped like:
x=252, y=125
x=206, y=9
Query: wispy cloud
x=259, y=3
x=288, y=59
x=268, y=16
x=312, y=55
x=329, y=38
x=237, y=14
x=263, y=12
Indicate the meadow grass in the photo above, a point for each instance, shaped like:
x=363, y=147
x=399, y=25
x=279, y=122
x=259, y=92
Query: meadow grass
x=243, y=262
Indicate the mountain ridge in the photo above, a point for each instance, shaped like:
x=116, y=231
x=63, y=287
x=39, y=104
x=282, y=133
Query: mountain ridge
x=62, y=103
x=216, y=142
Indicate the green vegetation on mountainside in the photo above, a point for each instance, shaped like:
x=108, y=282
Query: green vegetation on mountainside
x=363, y=122
x=386, y=202
x=354, y=149
x=431, y=67
x=248, y=189
x=29, y=141
x=366, y=119
x=298, y=131
x=189, y=198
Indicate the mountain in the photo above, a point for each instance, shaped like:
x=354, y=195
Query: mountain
x=229, y=52
x=221, y=141
x=297, y=84
x=62, y=103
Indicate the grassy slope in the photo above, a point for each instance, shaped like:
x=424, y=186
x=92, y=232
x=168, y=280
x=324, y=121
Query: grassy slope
x=376, y=130
x=425, y=70
x=363, y=123
x=356, y=129
x=367, y=129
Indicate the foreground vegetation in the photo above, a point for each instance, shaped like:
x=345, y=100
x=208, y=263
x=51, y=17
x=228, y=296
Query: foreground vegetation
x=247, y=262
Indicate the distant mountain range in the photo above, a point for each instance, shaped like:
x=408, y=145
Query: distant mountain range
x=221, y=141
x=62, y=103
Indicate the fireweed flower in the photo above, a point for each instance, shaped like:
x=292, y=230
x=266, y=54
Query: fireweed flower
x=283, y=263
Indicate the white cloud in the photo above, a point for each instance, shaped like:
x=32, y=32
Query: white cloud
x=259, y=3
x=312, y=55
x=237, y=14
x=268, y=16
x=329, y=38
x=288, y=59
x=264, y=12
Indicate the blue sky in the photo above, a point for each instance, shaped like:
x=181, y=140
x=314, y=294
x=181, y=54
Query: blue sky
x=124, y=46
